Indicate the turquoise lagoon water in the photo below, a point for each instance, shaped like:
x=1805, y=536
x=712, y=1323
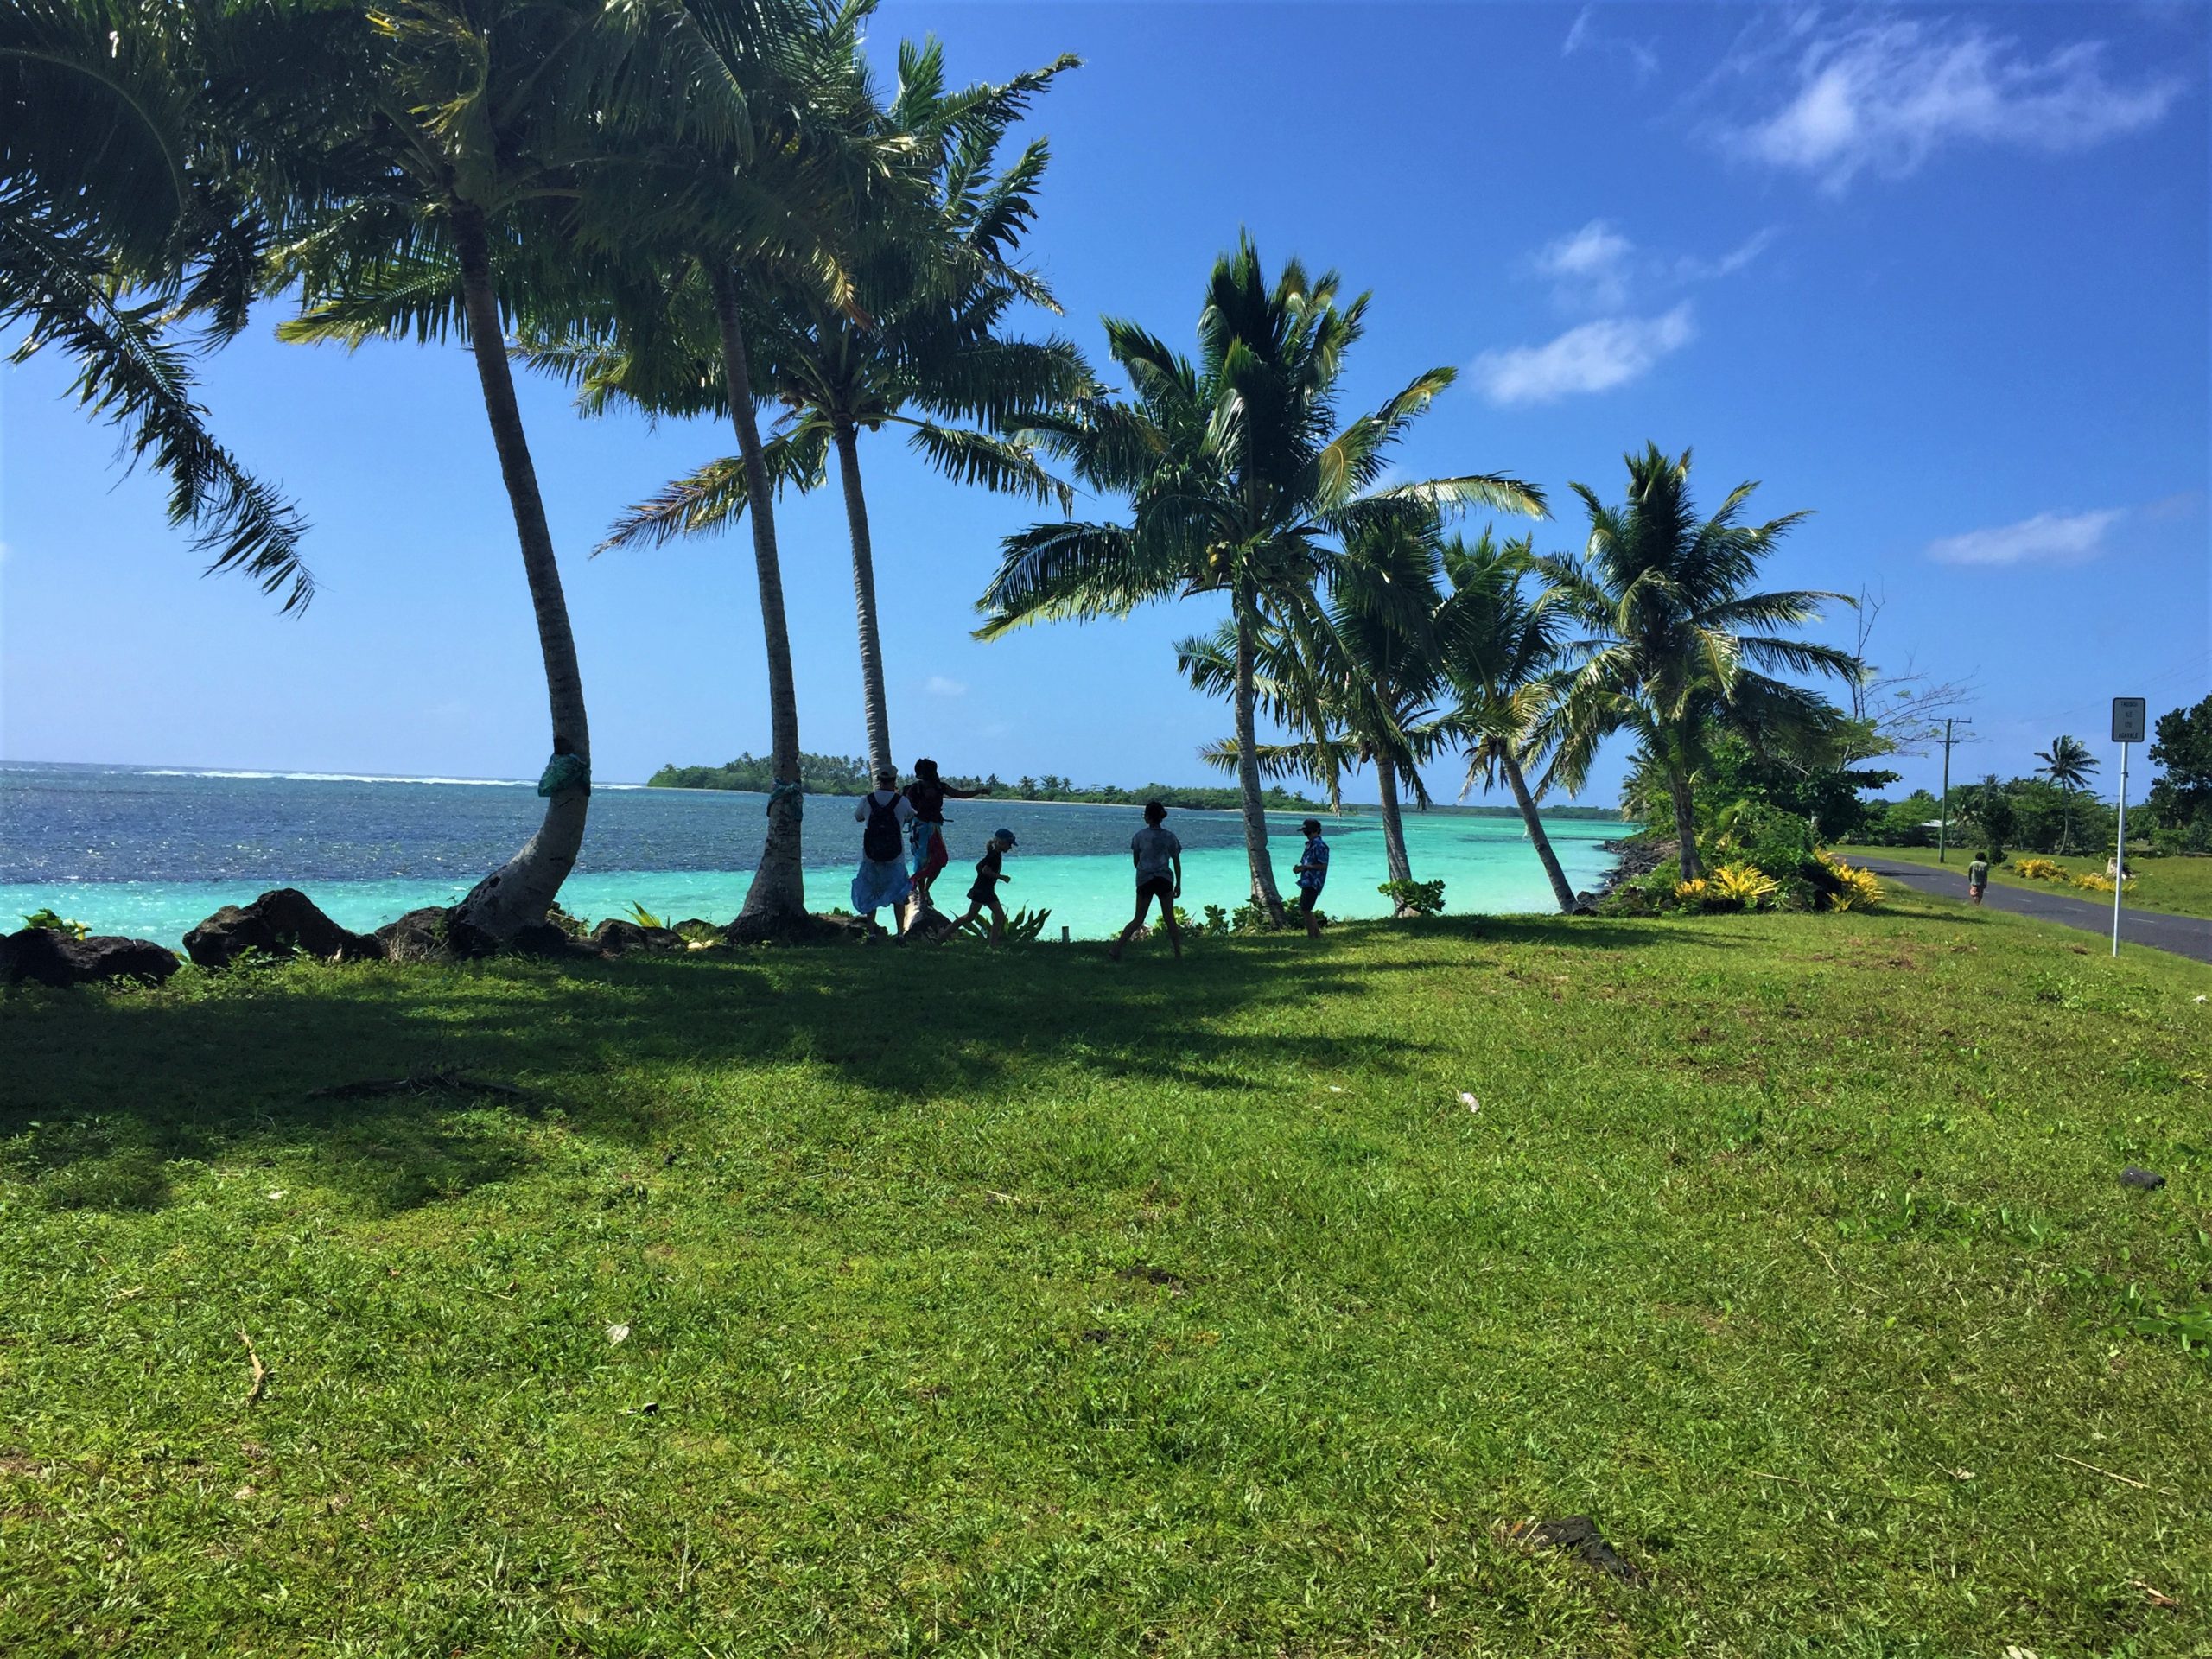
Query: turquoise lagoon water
x=149, y=852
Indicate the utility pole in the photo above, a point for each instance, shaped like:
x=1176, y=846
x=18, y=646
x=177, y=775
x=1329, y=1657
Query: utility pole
x=1943, y=824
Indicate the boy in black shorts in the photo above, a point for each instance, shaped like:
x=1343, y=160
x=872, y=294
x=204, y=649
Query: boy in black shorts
x=1159, y=858
x=984, y=895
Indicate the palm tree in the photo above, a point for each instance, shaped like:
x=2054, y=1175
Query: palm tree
x=1500, y=654
x=934, y=295
x=121, y=216
x=2066, y=763
x=453, y=133
x=1353, y=679
x=750, y=169
x=1240, y=480
x=1674, y=644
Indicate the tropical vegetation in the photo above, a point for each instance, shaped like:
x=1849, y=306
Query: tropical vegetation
x=1243, y=481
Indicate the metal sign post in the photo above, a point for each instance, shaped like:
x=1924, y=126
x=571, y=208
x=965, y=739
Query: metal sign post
x=2127, y=718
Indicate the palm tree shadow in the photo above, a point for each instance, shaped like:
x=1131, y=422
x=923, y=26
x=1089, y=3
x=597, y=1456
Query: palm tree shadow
x=114, y=1090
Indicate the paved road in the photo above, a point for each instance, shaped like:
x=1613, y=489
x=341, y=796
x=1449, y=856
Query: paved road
x=2186, y=936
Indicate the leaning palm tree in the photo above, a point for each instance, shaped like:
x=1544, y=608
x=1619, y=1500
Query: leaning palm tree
x=2066, y=763
x=452, y=133
x=1674, y=644
x=926, y=355
x=1240, y=480
x=751, y=173
x=1500, y=654
x=122, y=216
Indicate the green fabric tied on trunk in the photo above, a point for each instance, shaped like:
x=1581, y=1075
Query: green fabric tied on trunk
x=565, y=771
x=795, y=793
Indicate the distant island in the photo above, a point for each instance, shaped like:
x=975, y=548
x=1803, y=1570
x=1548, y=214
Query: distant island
x=843, y=774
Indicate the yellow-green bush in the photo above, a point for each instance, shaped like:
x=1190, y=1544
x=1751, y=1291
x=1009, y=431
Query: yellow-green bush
x=2040, y=869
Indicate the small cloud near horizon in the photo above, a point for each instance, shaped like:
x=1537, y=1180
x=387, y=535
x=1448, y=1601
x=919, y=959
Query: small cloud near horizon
x=2047, y=538
x=938, y=686
x=1594, y=356
x=1884, y=95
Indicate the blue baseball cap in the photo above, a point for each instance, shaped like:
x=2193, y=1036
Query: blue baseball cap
x=1006, y=835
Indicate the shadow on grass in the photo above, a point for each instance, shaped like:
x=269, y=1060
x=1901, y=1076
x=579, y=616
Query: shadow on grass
x=111, y=1090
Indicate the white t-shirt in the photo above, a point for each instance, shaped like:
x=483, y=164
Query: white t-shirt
x=903, y=811
x=1155, y=850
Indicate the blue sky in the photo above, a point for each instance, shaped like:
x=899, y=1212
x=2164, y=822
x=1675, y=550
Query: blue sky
x=1938, y=274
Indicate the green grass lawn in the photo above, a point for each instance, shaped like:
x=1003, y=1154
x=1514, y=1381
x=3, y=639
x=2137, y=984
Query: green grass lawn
x=2180, y=885
x=1013, y=1303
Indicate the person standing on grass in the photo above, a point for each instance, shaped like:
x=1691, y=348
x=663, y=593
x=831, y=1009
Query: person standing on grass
x=1159, y=858
x=1312, y=873
x=927, y=794
x=1977, y=876
x=882, y=879
x=984, y=895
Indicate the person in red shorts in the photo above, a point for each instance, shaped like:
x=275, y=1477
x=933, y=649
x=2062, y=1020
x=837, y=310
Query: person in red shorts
x=927, y=795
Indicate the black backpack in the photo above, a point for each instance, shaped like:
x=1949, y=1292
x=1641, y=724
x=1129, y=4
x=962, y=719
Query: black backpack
x=879, y=841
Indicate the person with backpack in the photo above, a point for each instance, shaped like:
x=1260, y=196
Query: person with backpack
x=882, y=879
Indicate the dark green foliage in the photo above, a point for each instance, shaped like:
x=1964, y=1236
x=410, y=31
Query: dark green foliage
x=2181, y=799
x=1415, y=897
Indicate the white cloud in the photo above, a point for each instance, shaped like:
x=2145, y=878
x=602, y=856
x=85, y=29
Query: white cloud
x=1583, y=36
x=1591, y=266
x=2047, y=538
x=1595, y=356
x=1886, y=94
x=938, y=686
x=1691, y=269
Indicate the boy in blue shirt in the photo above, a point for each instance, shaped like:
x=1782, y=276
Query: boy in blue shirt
x=1312, y=873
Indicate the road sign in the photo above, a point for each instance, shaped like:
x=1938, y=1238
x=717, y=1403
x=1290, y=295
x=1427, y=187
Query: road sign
x=2128, y=720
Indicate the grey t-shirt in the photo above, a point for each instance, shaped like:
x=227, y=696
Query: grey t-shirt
x=1978, y=873
x=1155, y=850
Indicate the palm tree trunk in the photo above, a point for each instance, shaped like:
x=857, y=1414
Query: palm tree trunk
x=518, y=893
x=874, y=706
x=775, y=904
x=1678, y=786
x=1393, y=826
x=1542, y=842
x=1248, y=769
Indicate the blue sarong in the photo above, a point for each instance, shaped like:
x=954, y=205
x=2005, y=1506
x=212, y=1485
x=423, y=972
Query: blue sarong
x=881, y=883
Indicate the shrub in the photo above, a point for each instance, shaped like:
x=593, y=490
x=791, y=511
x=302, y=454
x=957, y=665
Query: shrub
x=1158, y=929
x=1743, y=887
x=1216, y=922
x=1022, y=927
x=2093, y=883
x=575, y=926
x=1420, y=897
x=1694, y=893
x=2041, y=869
x=1855, y=889
x=53, y=922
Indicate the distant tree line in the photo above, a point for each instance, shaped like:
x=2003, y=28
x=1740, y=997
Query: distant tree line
x=838, y=774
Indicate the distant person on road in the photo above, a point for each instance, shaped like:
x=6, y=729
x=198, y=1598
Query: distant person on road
x=1312, y=873
x=882, y=879
x=927, y=794
x=1158, y=856
x=1977, y=876
x=984, y=895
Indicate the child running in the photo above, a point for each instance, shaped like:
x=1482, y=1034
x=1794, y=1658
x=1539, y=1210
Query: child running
x=1159, y=858
x=984, y=895
x=1312, y=873
x=928, y=794
x=882, y=877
